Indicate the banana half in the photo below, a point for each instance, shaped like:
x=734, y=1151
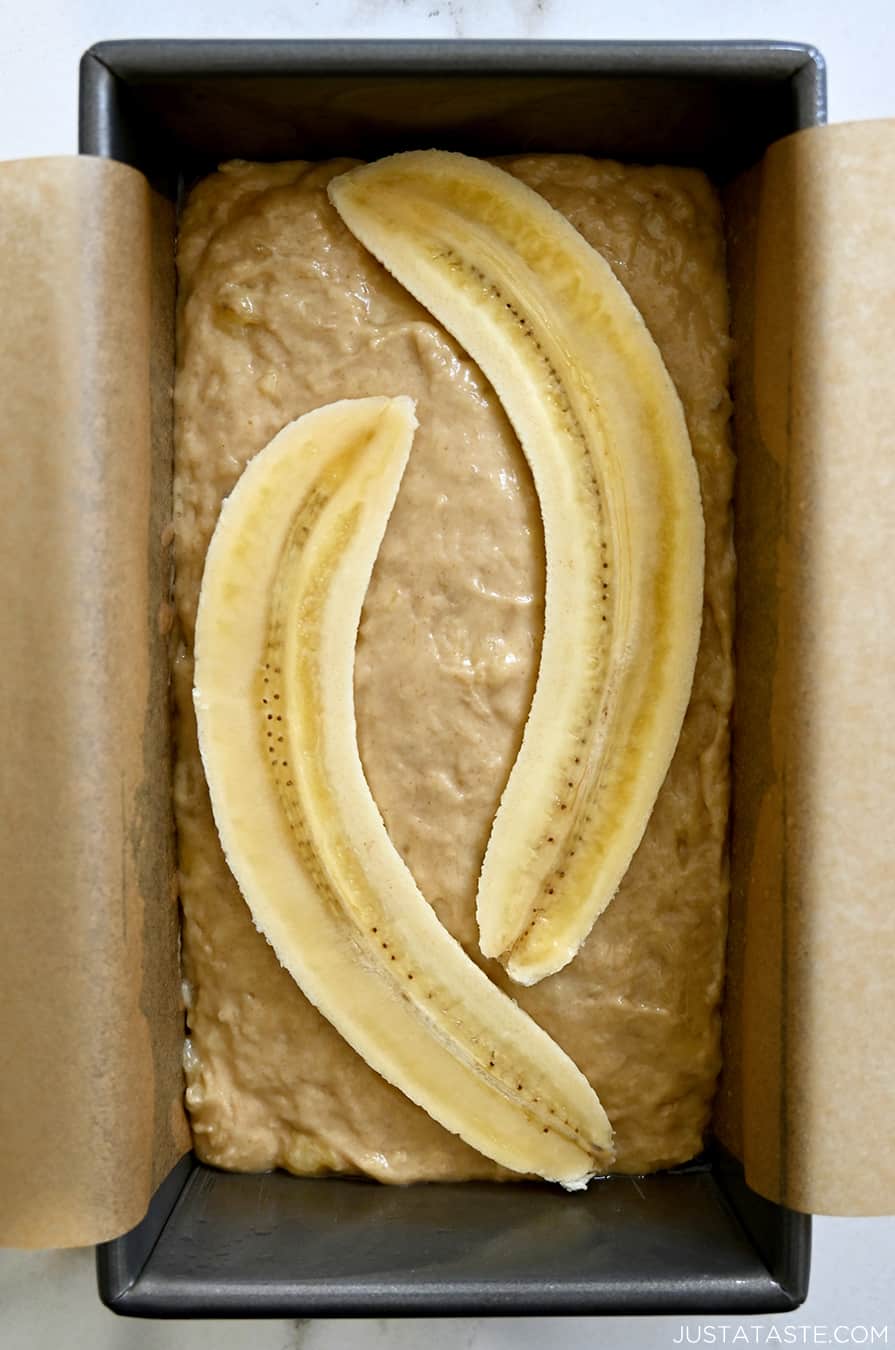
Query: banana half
x=601, y=425
x=285, y=579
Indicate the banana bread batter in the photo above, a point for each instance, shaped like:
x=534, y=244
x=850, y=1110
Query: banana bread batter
x=280, y=311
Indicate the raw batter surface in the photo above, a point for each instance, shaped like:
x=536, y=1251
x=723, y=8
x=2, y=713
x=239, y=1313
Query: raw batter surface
x=280, y=311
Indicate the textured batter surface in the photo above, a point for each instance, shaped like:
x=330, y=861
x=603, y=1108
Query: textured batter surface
x=281, y=311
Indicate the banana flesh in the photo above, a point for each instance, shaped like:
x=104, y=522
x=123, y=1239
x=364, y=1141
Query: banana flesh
x=284, y=583
x=603, y=430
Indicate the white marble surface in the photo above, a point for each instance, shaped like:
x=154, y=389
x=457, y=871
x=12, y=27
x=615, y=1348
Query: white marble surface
x=48, y=1300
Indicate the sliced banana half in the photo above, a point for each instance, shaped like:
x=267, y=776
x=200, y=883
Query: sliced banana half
x=602, y=427
x=285, y=579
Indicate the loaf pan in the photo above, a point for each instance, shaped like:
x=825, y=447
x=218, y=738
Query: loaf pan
x=692, y=1240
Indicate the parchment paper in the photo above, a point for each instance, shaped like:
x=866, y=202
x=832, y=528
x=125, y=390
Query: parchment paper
x=90, y=1111
x=90, y=1114
x=808, y=1098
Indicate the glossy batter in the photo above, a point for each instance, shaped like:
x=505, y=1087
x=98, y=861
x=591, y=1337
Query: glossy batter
x=281, y=311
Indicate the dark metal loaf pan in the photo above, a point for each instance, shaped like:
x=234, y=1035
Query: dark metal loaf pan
x=692, y=1240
